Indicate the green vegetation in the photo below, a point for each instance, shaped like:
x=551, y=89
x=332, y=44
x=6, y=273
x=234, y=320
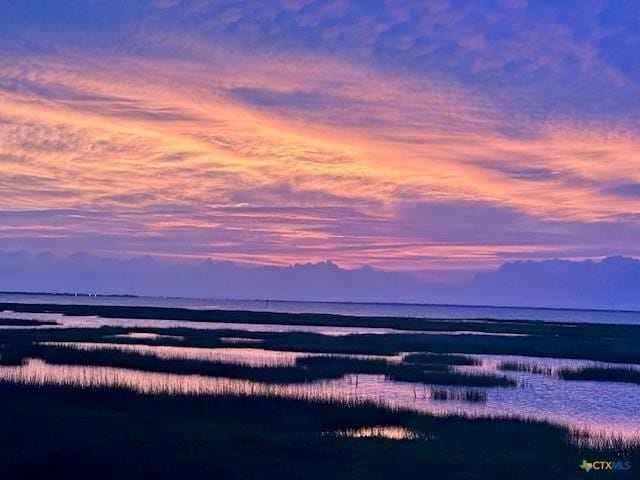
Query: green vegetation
x=601, y=374
x=114, y=433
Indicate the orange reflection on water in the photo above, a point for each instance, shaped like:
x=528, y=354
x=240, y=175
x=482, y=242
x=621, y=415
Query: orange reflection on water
x=380, y=431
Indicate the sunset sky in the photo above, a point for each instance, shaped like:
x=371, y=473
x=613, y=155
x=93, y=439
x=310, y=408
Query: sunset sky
x=439, y=136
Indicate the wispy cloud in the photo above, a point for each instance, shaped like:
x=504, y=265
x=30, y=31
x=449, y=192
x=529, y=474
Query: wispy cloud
x=414, y=136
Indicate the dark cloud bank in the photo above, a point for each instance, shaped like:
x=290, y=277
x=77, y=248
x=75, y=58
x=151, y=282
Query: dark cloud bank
x=613, y=283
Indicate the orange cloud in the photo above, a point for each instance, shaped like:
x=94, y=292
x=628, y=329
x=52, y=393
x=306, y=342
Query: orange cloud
x=277, y=160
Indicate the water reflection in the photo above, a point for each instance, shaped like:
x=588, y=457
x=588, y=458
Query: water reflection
x=597, y=407
x=146, y=336
x=382, y=431
x=240, y=340
x=491, y=363
x=592, y=406
x=92, y=321
x=256, y=357
x=395, y=310
x=239, y=356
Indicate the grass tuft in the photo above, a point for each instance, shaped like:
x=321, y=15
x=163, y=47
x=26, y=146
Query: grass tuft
x=525, y=367
x=601, y=374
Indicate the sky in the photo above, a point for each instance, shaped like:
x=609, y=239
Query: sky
x=431, y=138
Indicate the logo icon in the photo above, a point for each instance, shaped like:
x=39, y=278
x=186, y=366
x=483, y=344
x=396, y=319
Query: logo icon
x=586, y=466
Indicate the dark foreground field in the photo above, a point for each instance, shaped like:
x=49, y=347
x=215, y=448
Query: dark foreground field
x=61, y=432
x=68, y=432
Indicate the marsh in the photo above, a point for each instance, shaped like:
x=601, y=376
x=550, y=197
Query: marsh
x=444, y=384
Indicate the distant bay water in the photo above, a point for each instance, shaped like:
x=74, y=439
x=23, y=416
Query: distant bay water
x=341, y=308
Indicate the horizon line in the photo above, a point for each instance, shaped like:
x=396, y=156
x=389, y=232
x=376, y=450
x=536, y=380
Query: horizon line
x=454, y=305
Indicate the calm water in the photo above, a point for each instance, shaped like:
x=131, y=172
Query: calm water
x=358, y=309
x=600, y=407
x=92, y=321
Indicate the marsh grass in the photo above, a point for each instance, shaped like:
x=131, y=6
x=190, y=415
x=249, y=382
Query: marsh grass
x=465, y=395
x=63, y=355
x=604, y=442
x=255, y=431
x=381, y=431
x=24, y=322
x=482, y=325
x=404, y=372
x=614, y=345
x=118, y=433
x=306, y=368
x=525, y=367
x=10, y=355
x=429, y=377
x=601, y=374
x=441, y=359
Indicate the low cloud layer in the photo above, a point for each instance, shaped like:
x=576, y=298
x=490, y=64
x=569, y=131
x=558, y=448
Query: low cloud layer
x=611, y=283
